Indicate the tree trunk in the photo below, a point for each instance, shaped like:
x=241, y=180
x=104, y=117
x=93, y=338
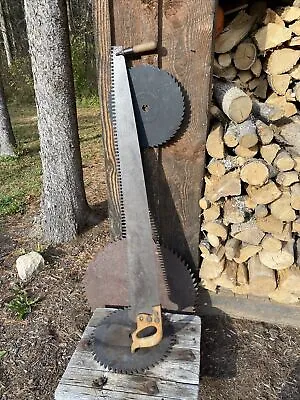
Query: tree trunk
x=5, y=36
x=64, y=209
x=7, y=139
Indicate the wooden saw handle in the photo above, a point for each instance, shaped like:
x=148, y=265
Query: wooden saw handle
x=144, y=321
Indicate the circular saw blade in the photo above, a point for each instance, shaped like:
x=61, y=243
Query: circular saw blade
x=158, y=104
x=106, y=280
x=112, y=342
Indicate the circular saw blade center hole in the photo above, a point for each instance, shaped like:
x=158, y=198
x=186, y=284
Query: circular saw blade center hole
x=145, y=107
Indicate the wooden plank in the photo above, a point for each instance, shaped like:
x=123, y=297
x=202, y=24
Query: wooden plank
x=177, y=377
x=188, y=58
x=248, y=307
x=174, y=174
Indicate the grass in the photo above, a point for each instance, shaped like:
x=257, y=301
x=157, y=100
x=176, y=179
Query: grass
x=20, y=177
x=22, y=304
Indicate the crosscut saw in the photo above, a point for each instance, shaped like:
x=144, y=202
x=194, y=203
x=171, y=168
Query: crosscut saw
x=139, y=119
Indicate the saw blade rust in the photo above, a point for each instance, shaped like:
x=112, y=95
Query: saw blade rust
x=106, y=280
x=111, y=345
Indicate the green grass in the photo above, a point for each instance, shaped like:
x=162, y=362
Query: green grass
x=20, y=177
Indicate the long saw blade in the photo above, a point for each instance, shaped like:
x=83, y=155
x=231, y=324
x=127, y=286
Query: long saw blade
x=142, y=273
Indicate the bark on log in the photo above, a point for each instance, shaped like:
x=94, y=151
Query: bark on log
x=234, y=102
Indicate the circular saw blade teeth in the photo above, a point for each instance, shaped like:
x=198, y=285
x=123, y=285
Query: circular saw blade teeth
x=106, y=280
x=111, y=345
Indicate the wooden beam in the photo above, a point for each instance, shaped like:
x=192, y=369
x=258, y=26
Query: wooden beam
x=174, y=174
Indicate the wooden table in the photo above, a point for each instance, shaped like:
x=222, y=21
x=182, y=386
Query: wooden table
x=177, y=377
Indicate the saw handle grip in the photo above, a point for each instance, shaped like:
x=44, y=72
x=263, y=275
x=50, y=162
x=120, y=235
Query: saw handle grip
x=147, y=321
x=138, y=48
x=143, y=47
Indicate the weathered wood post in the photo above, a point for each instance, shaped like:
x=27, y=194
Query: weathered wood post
x=174, y=174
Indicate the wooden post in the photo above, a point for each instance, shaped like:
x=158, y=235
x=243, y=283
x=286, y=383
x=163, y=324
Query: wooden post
x=174, y=174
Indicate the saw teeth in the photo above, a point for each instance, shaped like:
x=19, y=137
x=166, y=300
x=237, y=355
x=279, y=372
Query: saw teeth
x=153, y=356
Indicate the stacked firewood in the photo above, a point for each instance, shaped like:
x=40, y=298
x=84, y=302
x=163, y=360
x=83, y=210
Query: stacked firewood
x=251, y=203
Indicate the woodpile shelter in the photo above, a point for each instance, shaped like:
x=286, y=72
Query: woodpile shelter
x=238, y=154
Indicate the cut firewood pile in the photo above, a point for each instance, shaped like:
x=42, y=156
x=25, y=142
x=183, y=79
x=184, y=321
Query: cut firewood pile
x=251, y=202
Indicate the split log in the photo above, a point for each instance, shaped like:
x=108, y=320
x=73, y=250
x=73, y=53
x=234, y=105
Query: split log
x=287, y=178
x=242, y=275
x=289, y=279
x=204, y=203
x=261, y=211
x=261, y=89
x=231, y=135
x=256, y=68
x=282, y=60
x=291, y=134
x=218, y=187
x=267, y=112
x=269, y=152
x=249, y=203
x=279, y=83
x=282, y=209
x=228, y=73
x=295, y=27
x=281, y=102
x=225, y=59
x=272, y=17
x=286, y=234
x=213, y=240
x=254, y=83
x=295, y=196
x=247, y=232
x=278, y=259
x=245, y=152
x=247, y=251
x=295, y=72
x=290, y=95
x=235, y=103
x=246, y=133
x=265, y=194
x=245, y=56
x=264, y=132
x=270, y=224
x=245, y=76
x=228, y=277
x=215, y=254
x=294, y=42
x=234, y=33
x=234, y=210
x=283, y=296
x=271, y=35
x=209, y=284
x=210, y=269
x=214, y=143
x=297, y=163
x=296, y=225
x=270, y=243
x=205, y=248
x=262, y=280
x=283, y=161
x=255, y=172
x=216, y=228
x=212, y=213
x=220, y=167
x=232, y=246
x=289, y=14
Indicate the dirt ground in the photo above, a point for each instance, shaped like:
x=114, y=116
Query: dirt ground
x=240, y=359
